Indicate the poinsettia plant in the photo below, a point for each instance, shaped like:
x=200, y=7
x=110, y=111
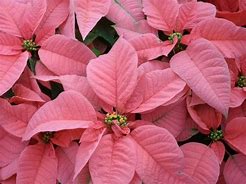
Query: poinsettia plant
x=122, y=91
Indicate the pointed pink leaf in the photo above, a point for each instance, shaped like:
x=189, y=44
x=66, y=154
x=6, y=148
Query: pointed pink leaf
x=113, y=161
x=205, y=71
x=227, y=37
x=154, y=89
x=9, y=45
x=10, y=149
x=56, y=13
x=33, y=13
x=235, y=134
x=234, y=170
x=9, y=170
x=88, y=13
x=65, y=56
x=113, y=76
x=9, y=11
x=14, y=118
x=11, y=68
x=68, y=27
x=125, y=13
x=161, y=16
x=24, y=94
x=159, y=159
x=172, y=118
x=66, y=162
x=219, y=149
x=62, y=113
x=88, y=144
x=201, y=163
x=37, y=164
x=20, y=18
x=194, y=12
x=205, y=117
x=149, y=46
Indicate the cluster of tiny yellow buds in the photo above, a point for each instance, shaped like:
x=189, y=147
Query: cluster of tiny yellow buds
x=46, y=136
x=216, y=135
x=29, y=45
x=241, y=81
x=121, y=120
x=173, y=35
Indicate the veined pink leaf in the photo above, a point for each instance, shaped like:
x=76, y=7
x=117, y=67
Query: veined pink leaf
x=227, y=37
x=219, y=150
x=10, y=149
x=172, y=118
x=125, y=13
x=14, y=118
x=201, y=163
x=192, y=13
x=65, y=56
x=65, y=112
x=88, y=13
x=66, y=162
x=55, y=14
x=205, y=71
x=68, y=27
x=21, y=18
x=149, y=46
x=33, y=12
x=24, y=94
x=88, y=144
x=9, y=45
x=11, y=68
x=37, y=164
x=161, y=16
x=113, y=161
x=8, y=170
x=234, y=170
x=113, y=76
x=205, y=117
x=159, y=159
x=235, y=133
x=154, y=89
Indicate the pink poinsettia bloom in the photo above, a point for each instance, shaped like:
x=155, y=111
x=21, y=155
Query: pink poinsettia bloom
x=58, y=128
x=210, y=122
x=101, y=140
x=174, y=17
x=24, y=25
